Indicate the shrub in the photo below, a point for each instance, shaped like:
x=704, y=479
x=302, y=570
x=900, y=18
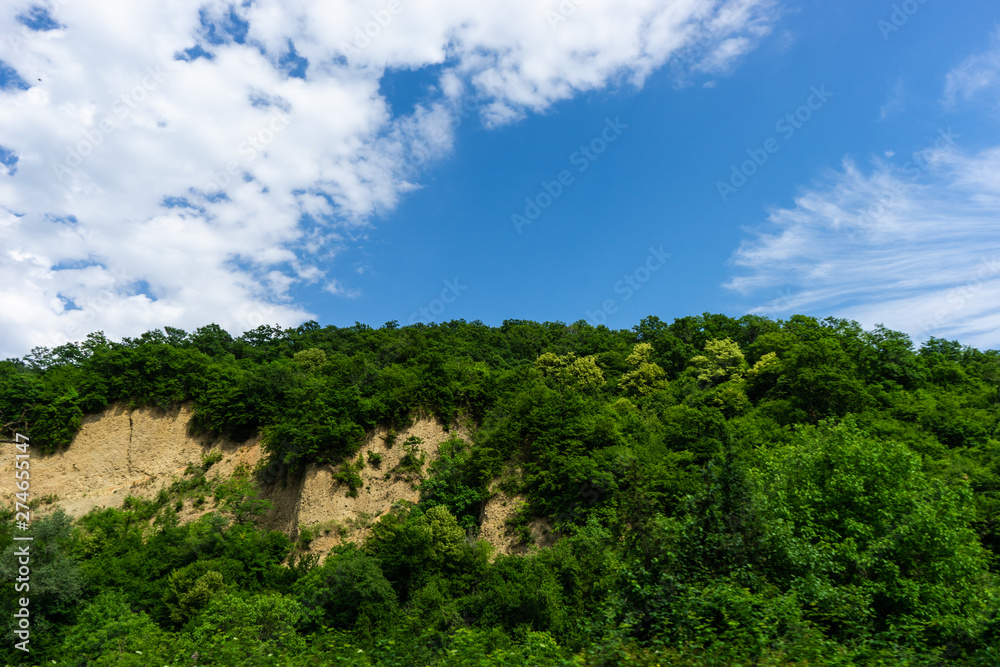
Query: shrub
x=348, y=475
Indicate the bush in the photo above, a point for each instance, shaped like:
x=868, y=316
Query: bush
x=349, y=592
x=868, y=540
x=252, y=624
x=109, y=628
x=306, y=536
x=348, y=474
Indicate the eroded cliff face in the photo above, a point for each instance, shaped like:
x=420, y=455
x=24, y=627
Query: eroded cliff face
x=320, y=503
x=118, y=453
x=122, y=452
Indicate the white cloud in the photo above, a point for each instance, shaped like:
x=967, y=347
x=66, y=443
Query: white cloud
x=335, y=288
x=152, y=191
x=975, y=75
x=894, y=101
x=912, y=246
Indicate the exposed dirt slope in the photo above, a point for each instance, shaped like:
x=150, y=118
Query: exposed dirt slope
x=322, y=504
x=494, y=528
x=123, y=452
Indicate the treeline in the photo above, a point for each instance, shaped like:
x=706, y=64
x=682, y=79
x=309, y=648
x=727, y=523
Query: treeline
x=727, y=491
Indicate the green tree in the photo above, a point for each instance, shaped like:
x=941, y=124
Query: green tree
x=723, y=361
x=413, y=547
x=108, y=628
x=252, y=625
x=870, y=542
x=186, y=597
x=55, y=587
x=240, y=497
x=569, y=370
x=645, y=376
x=349, y=592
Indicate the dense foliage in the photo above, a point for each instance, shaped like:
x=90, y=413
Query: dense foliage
x=726, y=491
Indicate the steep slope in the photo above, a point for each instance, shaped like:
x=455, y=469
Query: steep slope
x=125, y=452
x=122, y=452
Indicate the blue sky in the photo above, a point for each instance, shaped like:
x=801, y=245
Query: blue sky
x=387, y=177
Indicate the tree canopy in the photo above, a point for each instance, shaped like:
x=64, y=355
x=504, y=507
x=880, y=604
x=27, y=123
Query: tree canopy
x=723, y=490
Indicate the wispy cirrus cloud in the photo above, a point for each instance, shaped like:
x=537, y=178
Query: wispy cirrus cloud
x=977, y=74
x=913, y=246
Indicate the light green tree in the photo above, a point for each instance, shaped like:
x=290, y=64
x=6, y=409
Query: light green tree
x=723, y=361
x=446, y=536
x=310, y=360
x=769, y=363
x=645, y=376
x=185, y=598
x=571, y=370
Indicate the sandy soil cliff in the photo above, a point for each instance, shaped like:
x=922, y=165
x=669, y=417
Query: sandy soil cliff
x=123, y=452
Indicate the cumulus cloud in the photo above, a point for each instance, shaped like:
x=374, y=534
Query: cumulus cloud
x=191, y=162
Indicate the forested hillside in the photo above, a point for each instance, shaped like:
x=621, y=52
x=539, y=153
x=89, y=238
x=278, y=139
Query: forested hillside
x=725, y=491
